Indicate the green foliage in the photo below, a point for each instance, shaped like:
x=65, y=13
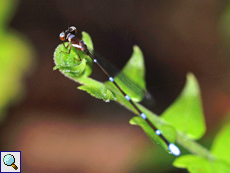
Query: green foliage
x=220, y=147
x=183, y=122
x=217, y=161
x=14, y=58
x=187, y=111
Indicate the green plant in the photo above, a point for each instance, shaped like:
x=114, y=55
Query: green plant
x=183, y=122
x=15, y=58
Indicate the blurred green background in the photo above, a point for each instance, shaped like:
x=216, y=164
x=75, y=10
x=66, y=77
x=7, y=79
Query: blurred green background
x=61, y=129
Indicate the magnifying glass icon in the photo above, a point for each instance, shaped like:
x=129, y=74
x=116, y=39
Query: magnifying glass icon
x=9, y=160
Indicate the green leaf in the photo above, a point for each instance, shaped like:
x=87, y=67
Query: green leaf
x=135, y=67
x=99, y=92
x=221, y=144
x=15, y=58
x=197, y=164
x=69, y=63
x=193, y=163
x=220, y=166
x=87, y=39
x=186, y=113
x=76, y=70
x=135, y=71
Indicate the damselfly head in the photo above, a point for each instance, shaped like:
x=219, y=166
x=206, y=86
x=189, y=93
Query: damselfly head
x=72, y=30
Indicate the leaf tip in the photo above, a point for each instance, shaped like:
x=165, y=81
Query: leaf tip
x=56, y=67
x=190, y=76
x=84, y=33
x=137, y=49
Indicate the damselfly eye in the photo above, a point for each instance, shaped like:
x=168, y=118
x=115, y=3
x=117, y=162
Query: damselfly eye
x=73, y=29
x=62, y=36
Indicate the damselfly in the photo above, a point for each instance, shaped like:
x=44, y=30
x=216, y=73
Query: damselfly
x=111, y=72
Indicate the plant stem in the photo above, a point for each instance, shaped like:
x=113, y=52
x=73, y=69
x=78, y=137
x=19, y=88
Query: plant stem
x=193, y=146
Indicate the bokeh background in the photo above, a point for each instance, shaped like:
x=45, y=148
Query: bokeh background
x=61, y=129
